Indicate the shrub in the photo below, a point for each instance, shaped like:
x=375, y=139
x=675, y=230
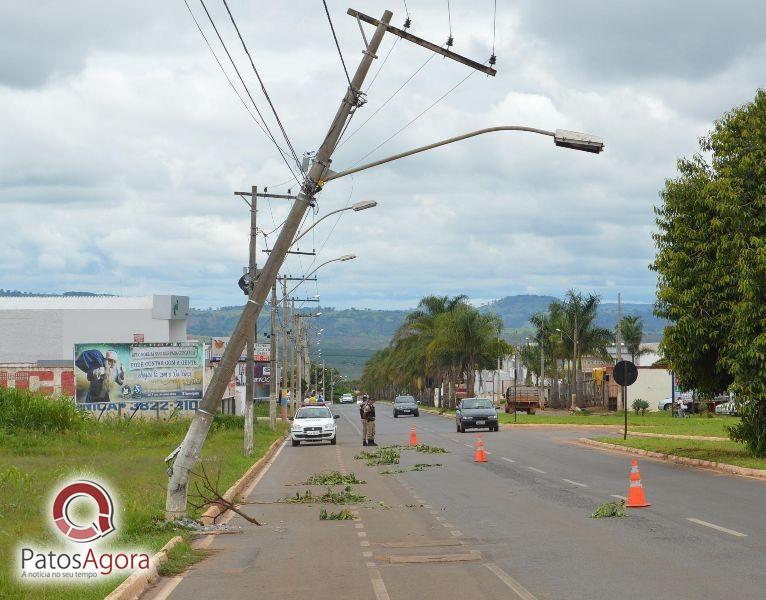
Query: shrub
x=640, y=406
x=22, y=409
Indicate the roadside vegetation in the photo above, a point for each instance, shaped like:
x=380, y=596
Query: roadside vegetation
x=44, y=440
x=710, y=266
x=444, y=341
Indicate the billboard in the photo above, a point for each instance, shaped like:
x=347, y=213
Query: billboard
x=262, y=352
x=156, y=377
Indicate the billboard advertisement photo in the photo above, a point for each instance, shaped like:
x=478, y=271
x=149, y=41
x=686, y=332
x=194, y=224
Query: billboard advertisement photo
x=164, y=376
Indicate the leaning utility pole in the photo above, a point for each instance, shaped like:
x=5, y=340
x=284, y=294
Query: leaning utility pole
x=253, y=333
x=188, y=453
x=273, y=380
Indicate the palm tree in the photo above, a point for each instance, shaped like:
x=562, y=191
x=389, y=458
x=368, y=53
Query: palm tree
x=468, y=340
x=632, y=330
x=576, y=320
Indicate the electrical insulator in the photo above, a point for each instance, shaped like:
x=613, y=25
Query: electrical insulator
x=450, y=41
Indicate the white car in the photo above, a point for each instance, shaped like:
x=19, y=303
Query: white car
x=346, y=399
x=313, y=424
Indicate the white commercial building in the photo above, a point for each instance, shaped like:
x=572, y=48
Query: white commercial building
x=47, y=328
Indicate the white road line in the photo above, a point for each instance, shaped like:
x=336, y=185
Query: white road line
x=577, y=483
x=536, y=470
x=618, y=497
x=361, y=534
x=169, y=587
x=514, y=585
x=367, y=554
x=456, y=533
x=456, y=441
x=508, y=459
x=364, y=544
x=716, y=527
x=468, y=445
x=381, y=593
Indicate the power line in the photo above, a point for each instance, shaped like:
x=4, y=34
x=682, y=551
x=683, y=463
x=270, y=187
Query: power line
x=391, y=97
x=337, y=45
x=239, y=75
x=493, y=58
x=434, y=103
x=383, y=64
x=263, y=88
x=231, y=83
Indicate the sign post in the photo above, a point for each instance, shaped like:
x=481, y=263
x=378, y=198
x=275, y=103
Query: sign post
x=625, y=374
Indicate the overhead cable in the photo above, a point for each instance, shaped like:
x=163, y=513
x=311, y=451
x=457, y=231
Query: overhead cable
x=263, y=88
x=337, y=45
x=239, y=75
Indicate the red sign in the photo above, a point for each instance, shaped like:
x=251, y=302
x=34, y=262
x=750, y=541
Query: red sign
x=138, y=338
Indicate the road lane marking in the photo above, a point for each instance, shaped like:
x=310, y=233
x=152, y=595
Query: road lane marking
x=536, y=470
x=618, y=497
x=456, y=533
x=514, y=585
x=359, y=525
x=510, y=460
x=169, y=587
x=367, y=554
x=716, y=527
x=364, y=543
x=448, y=525
x=468, y=445
x=361, y=533
x=381, y=593
x=456, y=441
x=577, y=483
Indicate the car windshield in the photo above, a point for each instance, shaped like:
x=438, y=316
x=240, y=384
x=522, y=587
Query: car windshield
x=477, y=403
x=405, y=400
x=315, y=412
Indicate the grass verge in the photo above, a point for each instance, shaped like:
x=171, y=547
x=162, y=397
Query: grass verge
x=128, y=456
x=654, y=422
x=728, y=452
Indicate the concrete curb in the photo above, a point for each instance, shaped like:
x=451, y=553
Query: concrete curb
x=681, y=460
x=673, y=436
x=137, y=583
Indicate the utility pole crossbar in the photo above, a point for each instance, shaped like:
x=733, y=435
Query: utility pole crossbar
x=425, y=43
x=295, y=252
x=285, y=196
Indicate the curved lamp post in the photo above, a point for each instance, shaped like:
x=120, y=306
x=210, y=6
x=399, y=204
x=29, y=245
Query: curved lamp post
x=356, y=207
x=345, y=257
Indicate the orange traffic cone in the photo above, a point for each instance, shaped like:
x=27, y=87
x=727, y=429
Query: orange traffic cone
x=636, y=496
x=480, y=455
x=413, y=436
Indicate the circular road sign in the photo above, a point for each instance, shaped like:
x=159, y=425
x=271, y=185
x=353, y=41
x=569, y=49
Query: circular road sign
x=625, y=373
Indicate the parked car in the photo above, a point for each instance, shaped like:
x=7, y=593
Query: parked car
x=347, y=399
x=313, y=424
x=405, y=405
x=476, y=413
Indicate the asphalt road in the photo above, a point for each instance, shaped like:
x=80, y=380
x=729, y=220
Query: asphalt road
x=515, y=527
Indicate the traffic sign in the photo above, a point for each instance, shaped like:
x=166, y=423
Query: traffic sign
x=625, y=373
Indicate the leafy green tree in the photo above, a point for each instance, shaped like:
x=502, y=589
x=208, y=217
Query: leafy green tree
x=711, y=264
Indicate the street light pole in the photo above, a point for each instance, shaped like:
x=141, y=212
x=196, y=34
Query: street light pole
x=187, y=454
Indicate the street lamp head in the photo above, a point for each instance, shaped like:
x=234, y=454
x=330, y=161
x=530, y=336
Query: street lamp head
x=578, y=141
x=365, y=204
x=557, y=329
x=348, y=257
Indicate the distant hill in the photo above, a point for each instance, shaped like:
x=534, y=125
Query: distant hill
x=351, y=335
x=18, y=294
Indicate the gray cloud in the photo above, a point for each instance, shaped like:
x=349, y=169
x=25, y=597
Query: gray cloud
x=123, y=145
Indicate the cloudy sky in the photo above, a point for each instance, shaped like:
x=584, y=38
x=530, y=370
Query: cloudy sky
x=122, y=143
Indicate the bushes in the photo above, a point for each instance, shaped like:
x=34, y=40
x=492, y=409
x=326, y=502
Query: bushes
x=22, y=409
x=640, y=406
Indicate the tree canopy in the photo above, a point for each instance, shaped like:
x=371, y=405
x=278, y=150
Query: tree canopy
x=711, y=266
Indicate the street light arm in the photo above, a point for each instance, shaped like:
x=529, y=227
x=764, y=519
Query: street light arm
x=317, y=222
x=451, y=140
x=341, y=258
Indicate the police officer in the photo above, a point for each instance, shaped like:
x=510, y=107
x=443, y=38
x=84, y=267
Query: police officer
x=363, y=416
x=369, y=413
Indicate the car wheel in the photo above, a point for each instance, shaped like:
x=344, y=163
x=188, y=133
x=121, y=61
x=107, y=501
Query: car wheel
x=462, y=428
x=296, y=443
x=396, y=415
x=334, y=440
x=417, y=414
